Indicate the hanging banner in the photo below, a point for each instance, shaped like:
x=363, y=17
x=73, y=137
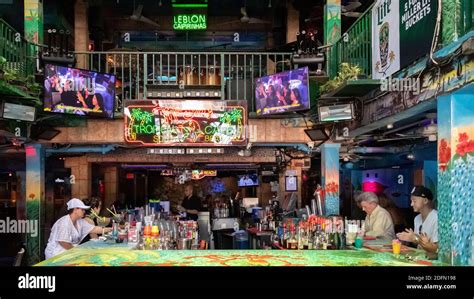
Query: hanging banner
x=186, y=123
x=402, y=32
x=332, y=22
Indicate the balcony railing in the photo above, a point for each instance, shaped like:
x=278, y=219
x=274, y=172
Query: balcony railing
x=233, y=73
x=354, y=47
x=19, y=53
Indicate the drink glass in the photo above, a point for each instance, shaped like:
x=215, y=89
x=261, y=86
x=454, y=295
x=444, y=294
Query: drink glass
x=396, y=246
x=358, y=242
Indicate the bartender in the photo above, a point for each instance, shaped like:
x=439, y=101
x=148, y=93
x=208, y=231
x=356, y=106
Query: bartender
x=191, y=204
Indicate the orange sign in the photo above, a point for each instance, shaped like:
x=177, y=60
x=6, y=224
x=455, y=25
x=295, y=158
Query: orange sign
x=199, y=174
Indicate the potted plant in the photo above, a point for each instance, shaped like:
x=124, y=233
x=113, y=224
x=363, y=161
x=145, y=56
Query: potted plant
x=346, y=72
x=7, y=74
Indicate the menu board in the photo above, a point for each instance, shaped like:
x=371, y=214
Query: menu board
x=186, y=122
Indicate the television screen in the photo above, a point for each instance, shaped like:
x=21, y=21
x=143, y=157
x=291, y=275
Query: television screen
x=78, y=92
x=247, y=180
x=283, y=92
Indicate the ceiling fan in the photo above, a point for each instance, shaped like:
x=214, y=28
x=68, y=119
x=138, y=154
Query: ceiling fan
x=352, y=14
x=350, y=6
x=348, y=10
x=245, y=19
x=137, y=16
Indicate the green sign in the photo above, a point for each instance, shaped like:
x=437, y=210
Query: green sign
x=190, y=22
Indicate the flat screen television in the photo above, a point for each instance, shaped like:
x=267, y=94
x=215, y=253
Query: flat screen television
x=283, y=92
x=78, y=92
x=247, y=180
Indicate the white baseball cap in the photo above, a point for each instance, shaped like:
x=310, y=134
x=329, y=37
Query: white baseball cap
x=76, y=203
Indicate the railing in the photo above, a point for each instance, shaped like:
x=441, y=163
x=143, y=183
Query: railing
x=19, y=53
x=354, y=47
x=233, y=73
x=457, y=19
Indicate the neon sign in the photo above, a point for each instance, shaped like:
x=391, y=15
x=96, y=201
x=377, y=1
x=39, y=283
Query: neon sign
x=199, y=174
x=190, y=22
x=188, y=122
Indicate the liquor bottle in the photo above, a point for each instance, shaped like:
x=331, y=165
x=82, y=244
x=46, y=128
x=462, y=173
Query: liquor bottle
x=343, y=241
x=299, y=239
x=292, y=241
x=325, y=237
x=276, y=237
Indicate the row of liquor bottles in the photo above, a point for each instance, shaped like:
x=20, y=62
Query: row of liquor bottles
x=318, y=233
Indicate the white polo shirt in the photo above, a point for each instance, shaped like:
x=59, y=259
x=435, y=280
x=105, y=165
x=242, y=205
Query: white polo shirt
x=429, y=226
x=65, y=231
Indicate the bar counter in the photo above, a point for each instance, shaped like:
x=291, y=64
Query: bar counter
x=100, y=253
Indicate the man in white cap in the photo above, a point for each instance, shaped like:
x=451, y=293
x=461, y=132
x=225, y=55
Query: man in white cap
x=69, y=230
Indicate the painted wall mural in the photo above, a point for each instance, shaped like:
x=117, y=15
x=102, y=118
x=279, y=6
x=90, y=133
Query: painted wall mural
x=34, y=199
x=33, y=21
x=186, y=122
x=330, y=177
x=456, y=176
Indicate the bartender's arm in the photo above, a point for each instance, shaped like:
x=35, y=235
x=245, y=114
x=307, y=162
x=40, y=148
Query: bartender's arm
x=195, y=212
x=100, y=230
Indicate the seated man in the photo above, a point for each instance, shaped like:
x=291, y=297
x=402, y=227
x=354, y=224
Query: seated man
x=69, y=230
x=378, y=222
x=425, y=235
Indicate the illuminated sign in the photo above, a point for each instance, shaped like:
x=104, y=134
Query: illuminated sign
x=167, y=172
x=186, y=4
x=186, y=123
x=199, y=174
x=190, y=22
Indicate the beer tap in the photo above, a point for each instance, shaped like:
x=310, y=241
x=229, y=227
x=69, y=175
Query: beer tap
x=61, y=37
x=50, y=31
x=66, y=46
x=298, y=42
x=53, y=41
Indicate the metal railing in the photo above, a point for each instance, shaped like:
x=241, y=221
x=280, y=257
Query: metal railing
x=19, y=53
x=354, y=46
x=233, y=72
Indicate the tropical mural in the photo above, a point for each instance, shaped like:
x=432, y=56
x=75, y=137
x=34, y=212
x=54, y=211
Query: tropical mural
x=330, y=177
x=34, y=198
x=456, y=176
x=34, y=21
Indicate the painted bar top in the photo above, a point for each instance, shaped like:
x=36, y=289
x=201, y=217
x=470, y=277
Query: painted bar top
x=99, y=253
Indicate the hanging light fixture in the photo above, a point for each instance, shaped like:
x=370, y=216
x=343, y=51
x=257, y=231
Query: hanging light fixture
x=269, y=3
x=160, y=4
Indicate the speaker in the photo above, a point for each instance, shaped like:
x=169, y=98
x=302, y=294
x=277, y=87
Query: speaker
x=269, y=178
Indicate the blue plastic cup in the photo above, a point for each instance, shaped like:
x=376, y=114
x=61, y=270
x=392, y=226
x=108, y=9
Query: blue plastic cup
x=358, y=242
